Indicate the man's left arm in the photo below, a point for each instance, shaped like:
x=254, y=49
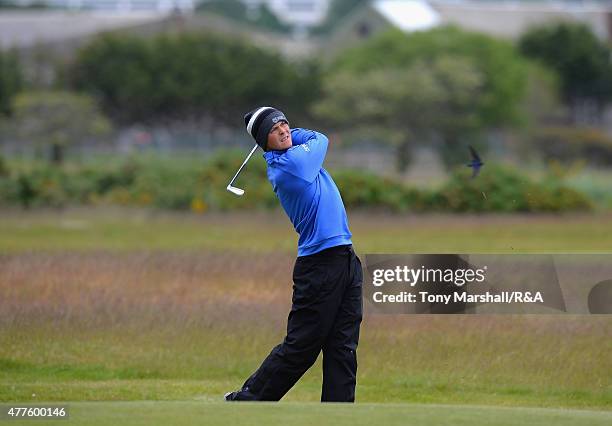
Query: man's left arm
x=306, y=158
x=300, y=136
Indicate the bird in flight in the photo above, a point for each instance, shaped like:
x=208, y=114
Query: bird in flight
x=476, y=162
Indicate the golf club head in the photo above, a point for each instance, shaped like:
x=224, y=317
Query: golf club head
x=237, y=191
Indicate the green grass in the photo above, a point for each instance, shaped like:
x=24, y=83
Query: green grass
x=142, y=306
x=514, y=361
x=272, y=232
x=205, y=412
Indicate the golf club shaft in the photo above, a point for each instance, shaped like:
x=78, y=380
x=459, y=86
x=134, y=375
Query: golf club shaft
x=245, y=161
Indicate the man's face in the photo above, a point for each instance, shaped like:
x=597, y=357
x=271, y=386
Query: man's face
x=279, y=137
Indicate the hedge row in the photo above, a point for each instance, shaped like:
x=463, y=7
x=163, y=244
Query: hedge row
x=190, y=186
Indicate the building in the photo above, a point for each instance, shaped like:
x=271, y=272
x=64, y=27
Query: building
x=499, y=18
x=117, y=5
x=300, y=13
x=510, y=19
x=44, y=38
x=29, y=28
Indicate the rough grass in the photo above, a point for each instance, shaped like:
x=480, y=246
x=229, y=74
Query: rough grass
x=163, y=325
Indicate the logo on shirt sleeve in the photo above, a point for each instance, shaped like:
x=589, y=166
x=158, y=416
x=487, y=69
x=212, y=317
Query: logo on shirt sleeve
x=306, y=147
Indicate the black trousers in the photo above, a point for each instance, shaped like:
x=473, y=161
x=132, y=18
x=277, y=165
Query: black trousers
x=325, y=315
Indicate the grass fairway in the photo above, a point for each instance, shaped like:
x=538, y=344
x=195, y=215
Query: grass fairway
x=147, y=318
x=120, y=230
x=196, y=412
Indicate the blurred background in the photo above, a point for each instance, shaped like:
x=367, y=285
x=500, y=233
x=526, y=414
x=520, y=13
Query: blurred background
x=140, y=102
x=128, y=272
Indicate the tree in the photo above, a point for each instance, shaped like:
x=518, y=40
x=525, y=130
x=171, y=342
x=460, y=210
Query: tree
x=119, y=72
x=447, y=85
x=11, y=80
x=406, y=105
x=496, y=60
x=582, y=61
x=196, y=75
x=56, y=120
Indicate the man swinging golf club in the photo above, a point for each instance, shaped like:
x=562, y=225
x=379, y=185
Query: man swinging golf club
x=326, y=306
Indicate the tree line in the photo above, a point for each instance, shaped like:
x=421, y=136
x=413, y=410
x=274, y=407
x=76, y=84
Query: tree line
x=439, y=87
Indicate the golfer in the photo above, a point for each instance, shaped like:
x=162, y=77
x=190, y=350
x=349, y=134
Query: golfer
x=326, y=306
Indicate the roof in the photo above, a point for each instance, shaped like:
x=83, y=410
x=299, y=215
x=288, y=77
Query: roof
x=27, y=28
x=498, y=18
x=408, y=15
x=511, y=19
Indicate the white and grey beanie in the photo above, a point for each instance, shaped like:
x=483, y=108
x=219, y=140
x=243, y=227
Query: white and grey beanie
x=260, y=121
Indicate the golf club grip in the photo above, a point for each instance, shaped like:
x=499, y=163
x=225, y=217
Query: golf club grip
x=245, y=161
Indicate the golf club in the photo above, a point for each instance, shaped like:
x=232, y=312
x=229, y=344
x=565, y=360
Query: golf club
x=233, y=189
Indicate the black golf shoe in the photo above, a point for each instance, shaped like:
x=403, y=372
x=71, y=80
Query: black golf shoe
x=240, y=395
x=230, y=396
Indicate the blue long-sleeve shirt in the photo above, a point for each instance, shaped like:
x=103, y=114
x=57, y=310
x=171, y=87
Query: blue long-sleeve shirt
x=308, y=193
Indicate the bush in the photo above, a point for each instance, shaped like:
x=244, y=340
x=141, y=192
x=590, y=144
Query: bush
x=185, y=185
x=8, y=192
x=500, y=189
x=361, y=190
x=221, y=168
x=19, y=189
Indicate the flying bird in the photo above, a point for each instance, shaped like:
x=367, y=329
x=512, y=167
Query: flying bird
x=476, y=162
